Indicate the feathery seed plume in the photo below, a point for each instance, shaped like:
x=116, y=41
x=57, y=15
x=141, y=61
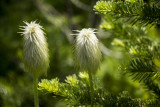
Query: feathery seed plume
x=87, y=50
x=35, y=50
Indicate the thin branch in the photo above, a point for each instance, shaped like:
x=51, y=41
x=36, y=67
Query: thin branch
x=50, y=13
x=81, y=5
x=109, y=52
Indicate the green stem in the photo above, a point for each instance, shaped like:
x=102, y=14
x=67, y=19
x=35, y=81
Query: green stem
x=91, y=86
x=35, y=90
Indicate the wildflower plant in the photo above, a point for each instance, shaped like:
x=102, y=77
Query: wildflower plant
x=142, y=53
x=87, y=53
x=75, y=92
x=35, y=52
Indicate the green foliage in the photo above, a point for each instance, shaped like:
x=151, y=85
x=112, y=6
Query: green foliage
x=75, y=92
x=145, y=67
x=146, y=64
x=152, y=87
x=136, y=11
x=142, y=51
x=137, y=42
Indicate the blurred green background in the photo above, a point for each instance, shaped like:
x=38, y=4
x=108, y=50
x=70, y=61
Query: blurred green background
x=59, y=18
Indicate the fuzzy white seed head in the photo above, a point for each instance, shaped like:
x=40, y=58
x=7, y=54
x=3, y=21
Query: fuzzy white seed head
x=87, y=50
x=35, y=52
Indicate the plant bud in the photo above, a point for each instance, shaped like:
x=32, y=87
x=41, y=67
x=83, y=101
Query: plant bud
x=87, y=50
x=35, y=51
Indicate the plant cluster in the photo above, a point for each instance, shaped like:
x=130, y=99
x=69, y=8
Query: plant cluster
x=128, y=23
x=75, y=91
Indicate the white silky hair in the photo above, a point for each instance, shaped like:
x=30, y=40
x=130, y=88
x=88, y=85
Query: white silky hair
x=87, y=50
x=35, y=50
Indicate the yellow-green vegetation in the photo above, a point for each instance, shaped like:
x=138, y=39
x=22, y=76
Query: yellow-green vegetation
x=122, y=45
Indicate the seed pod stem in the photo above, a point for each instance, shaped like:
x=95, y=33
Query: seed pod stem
x=35, y=53
x=35, y=90
x=87, y=54
x=91, y=86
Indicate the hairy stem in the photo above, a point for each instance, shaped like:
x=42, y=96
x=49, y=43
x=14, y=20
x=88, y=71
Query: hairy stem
x=91, y=86
x=35, y=90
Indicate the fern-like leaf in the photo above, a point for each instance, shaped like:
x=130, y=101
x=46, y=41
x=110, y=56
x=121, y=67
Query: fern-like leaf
x=134, y=11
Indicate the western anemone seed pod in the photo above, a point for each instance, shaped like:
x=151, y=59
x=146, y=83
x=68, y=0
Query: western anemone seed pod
x=35, y=52
x=87, y=50
x=87, y=54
